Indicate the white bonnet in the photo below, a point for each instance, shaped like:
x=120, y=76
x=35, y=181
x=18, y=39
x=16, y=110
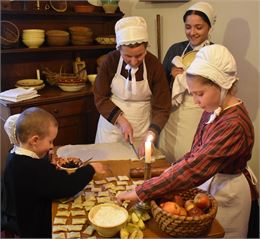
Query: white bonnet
x=207, y=9
x=215, y=63
x=131, y=30
x=10, y=128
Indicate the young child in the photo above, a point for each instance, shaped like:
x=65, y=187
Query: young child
x=31, y=181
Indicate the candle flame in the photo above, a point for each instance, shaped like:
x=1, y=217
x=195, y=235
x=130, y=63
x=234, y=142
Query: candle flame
x=149, y=138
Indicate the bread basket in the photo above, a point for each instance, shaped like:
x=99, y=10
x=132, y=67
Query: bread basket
x=185, y=226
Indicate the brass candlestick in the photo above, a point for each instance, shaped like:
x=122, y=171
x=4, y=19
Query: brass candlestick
x=147, y=171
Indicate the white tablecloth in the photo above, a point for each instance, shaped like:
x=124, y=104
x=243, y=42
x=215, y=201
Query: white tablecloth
x=108, y=151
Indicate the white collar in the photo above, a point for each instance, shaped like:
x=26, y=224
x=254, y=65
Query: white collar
x=26, y=152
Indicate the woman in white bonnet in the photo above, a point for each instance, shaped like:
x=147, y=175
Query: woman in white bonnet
x=176, y=137
x=221, y=148
x=131, y=90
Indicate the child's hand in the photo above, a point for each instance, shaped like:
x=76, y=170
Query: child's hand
x=99, y=168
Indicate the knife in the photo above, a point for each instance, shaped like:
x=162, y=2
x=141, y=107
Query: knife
x=133, y=147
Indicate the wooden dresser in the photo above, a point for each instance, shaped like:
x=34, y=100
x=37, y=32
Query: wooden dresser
x=75, y=111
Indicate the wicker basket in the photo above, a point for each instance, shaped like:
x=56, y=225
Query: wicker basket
x=185, y=226
x=9, y=35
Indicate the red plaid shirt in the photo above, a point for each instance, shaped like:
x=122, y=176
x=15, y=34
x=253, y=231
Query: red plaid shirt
x=223, y=146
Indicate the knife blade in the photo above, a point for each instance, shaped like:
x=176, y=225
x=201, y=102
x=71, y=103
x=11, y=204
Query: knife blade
x=134, y=149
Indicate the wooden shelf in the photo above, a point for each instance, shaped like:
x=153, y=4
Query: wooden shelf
x=60, y=14
x=57, y=49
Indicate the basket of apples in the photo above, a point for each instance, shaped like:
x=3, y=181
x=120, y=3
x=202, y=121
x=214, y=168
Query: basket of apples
x=186, y=214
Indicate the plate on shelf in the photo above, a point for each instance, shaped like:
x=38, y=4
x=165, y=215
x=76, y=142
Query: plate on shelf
x=36, y=87
x=97, y=3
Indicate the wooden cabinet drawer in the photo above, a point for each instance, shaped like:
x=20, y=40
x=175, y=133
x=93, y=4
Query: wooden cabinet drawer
x=67, y=108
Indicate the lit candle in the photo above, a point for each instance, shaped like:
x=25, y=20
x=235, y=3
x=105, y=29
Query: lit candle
x=148, y=151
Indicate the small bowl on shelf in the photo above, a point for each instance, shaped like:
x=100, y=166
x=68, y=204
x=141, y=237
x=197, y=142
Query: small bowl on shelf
x=33, y=42
x=57, y=38
x=70, y=87
x=86, y=8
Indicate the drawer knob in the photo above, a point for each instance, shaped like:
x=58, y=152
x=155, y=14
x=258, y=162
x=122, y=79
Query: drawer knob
x=55, y=111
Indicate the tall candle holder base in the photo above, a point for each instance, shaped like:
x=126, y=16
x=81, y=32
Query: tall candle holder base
x=145, y=206
x=147, y=171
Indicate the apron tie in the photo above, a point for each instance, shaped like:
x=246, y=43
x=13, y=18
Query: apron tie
x=131, y=77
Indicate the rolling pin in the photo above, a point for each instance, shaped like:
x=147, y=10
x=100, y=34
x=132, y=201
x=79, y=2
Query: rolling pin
x=139, y=172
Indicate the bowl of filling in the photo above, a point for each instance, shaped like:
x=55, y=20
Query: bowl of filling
x=108, y=218
x=69, y=164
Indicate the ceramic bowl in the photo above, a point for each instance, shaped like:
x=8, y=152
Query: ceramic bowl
x=70, y=166
x=33, y=42
x=71, y=87
x=84, y=8
x=107, y=219
x=57, y=38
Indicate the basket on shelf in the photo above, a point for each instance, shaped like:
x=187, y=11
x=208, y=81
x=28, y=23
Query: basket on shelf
x=54, y=78
x=9, y=35
x=185, y=226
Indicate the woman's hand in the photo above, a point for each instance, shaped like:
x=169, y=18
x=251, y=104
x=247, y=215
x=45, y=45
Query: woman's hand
x=176, y=71
x=125, y=128
x=131, y=196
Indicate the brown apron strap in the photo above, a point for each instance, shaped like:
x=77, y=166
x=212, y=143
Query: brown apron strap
x=253, y=188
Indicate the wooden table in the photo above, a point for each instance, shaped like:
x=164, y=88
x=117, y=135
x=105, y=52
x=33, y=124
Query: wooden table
x=121, y=167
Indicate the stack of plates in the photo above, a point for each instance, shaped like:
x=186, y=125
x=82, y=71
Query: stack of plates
x=30, y=83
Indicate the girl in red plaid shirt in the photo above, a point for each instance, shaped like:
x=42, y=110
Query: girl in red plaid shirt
x=221, y=147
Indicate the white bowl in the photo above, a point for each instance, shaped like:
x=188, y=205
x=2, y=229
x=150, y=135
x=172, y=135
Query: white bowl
x=33, y=42
x=107, y=219
x=71, y=87
x=92, y=78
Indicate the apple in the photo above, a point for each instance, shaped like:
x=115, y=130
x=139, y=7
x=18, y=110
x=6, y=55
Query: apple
x=183, y=212
x=178, y=199
x=171, y=207
x=202, y=201
x=195, y=211
x=189, y=204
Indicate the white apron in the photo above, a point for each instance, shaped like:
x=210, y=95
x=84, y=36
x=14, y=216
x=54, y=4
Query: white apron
x=136, y=107
x=232, y=193
x=177, y=135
